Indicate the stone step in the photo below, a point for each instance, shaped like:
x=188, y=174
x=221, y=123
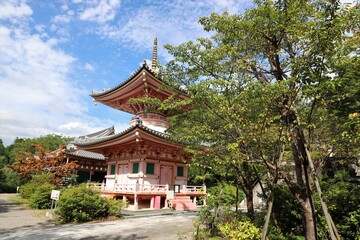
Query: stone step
x=182, y=203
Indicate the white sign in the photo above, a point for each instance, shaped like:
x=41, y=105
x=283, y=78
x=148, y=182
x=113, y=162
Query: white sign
x=55, y=194
x=170, y=195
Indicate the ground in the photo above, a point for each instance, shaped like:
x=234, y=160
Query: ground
x=19, y=223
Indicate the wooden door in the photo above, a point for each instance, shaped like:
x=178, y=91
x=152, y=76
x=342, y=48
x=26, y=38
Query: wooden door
x=122, y=174
x=166, y=175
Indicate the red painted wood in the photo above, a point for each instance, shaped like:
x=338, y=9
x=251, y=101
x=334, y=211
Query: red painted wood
x=157, y=202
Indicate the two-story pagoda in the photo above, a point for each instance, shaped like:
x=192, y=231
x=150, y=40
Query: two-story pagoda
x=143, y=165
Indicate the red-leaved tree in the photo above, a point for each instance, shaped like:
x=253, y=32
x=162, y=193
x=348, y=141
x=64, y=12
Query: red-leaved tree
x=44, y=161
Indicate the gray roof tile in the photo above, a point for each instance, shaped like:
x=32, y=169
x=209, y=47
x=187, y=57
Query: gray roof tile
x=85, y=154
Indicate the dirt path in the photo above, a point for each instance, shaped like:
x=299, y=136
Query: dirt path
x=14, y=215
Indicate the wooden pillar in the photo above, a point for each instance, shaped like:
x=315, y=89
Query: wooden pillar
x=184, y=188
x=103, y=186
x=152, y=202
x=157, y=204
x=136, y=204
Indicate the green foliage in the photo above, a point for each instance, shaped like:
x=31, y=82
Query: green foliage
x=4, y=158
x=281, y=237
x=341, y=191
x=239, y=230
x=262, y=85
x=40, y=198
x=286, y=212
x=82, y=204
x=38, y=191
x=223, y=195
x=9, y=180
x=221, y=199
x=50, y=141
x=115, y=207
x=27, y=189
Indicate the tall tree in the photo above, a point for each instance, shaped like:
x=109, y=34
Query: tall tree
x=44, y=161
x=50, y=141
x=266, y=72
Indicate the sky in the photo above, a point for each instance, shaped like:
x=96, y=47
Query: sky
x=53, y=54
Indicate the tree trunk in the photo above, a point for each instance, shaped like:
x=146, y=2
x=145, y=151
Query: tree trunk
x=302, y=189
x=334, y=235
x=249, y=191
x=246, y=179
x=250, y=204
x=310, y=225
x=268, y=215
x=237, y=198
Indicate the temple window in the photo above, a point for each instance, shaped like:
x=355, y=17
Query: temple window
x=112, y=169
x=135, y=167
x=150, y=168
x=180, y=171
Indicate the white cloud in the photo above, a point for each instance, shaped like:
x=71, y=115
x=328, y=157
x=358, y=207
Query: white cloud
x=37, y=92
x=62, y=19
x=172, y=23
x=38, y=95
x=89, y=67
x=14, y=9
x=80, y=128
x=100, y=11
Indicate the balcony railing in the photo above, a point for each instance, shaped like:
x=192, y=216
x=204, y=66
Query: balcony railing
x=146, y=188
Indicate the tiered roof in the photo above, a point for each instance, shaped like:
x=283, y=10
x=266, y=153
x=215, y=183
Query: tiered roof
x=142, y=83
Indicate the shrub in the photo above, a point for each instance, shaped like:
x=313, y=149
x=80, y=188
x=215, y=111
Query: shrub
x=239, y=230
x=27, y=190
x=81, y=204
x=40, y=199
x=115, y=207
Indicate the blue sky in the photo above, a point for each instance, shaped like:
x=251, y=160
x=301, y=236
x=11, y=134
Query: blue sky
x=54, y=53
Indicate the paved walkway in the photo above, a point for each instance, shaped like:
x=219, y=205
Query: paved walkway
x=18, y=222
x=14, y=215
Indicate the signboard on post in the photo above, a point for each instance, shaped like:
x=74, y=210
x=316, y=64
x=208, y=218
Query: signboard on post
x=55, y=194
x=170, y=195
x=177, y=188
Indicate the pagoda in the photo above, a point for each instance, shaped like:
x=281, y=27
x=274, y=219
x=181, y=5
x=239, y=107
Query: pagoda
x=144, y=166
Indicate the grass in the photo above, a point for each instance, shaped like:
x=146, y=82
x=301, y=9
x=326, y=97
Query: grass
x=25, y=204
x=18, y=199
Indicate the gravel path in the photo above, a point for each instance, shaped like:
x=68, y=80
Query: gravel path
x=14, y=215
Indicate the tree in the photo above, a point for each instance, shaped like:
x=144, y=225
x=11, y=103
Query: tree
x=44, y=161
x=262, y=83
x=50, y=141
x=4, y=159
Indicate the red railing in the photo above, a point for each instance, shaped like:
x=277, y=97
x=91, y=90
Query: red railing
x=147, y=188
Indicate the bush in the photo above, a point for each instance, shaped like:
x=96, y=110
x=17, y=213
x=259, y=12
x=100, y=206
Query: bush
x=30, y=188
x=27, y=190
x=40, y=199
x=81, y=204
x=239, y=230
x=115, y=207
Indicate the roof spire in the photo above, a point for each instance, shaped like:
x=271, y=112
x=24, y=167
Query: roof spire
x=154, y=56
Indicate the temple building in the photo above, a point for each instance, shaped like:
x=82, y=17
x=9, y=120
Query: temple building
x=140, y=164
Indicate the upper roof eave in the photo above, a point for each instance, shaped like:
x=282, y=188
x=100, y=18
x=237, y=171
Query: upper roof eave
x=96, y=94
x=106, y=91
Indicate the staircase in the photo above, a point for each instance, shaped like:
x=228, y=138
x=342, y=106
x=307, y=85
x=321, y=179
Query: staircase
x=181, y=203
